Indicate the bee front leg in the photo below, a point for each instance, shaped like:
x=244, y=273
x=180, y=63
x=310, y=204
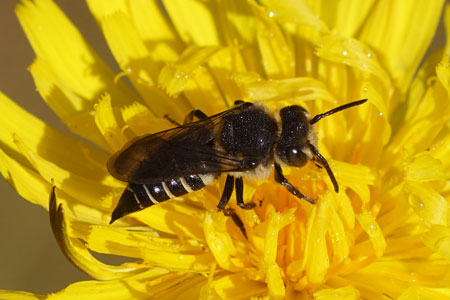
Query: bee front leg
x=240, y=195
x=227, y=191
x=279, y=177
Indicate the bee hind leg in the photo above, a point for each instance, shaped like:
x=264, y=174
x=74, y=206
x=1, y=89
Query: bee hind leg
x=227, y=191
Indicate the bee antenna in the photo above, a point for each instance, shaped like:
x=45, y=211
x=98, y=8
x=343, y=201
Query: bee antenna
x=335, y=110
x=325, y=164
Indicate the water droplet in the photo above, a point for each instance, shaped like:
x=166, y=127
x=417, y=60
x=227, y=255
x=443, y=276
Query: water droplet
x=365, y=89
x=344, y=52
x=177, y=76
x=271, y=14
x=380, y=113
x=369, y=55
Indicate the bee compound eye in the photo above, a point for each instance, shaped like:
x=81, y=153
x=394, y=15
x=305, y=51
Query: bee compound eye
x=295, y=157
x=249, y=163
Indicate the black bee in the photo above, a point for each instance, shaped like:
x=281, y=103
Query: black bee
x=244, y=141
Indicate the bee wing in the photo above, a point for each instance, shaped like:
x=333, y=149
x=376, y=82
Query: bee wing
x=178, y=152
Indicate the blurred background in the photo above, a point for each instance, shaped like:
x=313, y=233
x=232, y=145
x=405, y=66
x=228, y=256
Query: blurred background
x=30, y=259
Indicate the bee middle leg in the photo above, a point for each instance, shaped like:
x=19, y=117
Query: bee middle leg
x=240, y=195
x=279, y=177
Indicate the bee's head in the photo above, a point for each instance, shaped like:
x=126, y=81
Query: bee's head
x=292, y=148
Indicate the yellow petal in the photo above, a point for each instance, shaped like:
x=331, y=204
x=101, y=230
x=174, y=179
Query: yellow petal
x=427, y=203
x=276, y=52
x=424, y=168
x=297, y=88
x=73, y=110
x=155, y=30
x=373, y=230
x=316, y=260
x=76, y=252
x=443, y=72
x=28, y=183
x=351, y=52
x=141, y=121
x=344, y=293
x=338, y=237
x=424, y=124
x=80, y=187
x=238, y=286
x=124, y=288
x=186, y=221
x=441, y=150
x=125, y=43
x=174, y=77
x=224, y=64
x=202, y=92
x=77, y=66
x=275, y=223
x=108, y=124
x=355, y=176
x=345, y=17
x=134, y=58
x=13, y=295
x=219, y=240
x=422, y=293
x=194, y=21
x=78, y=157
x=438, y=240
x=411, y=27
x=176, y=286
x=236, y=22
x=297, y=12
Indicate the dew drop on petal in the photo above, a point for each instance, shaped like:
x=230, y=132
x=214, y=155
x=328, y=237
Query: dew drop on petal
x=271, y=14
x=344, y=52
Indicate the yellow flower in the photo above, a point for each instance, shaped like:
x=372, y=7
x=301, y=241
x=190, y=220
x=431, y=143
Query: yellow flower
x=385, y=235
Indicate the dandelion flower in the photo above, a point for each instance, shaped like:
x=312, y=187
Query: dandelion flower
x=385, y=235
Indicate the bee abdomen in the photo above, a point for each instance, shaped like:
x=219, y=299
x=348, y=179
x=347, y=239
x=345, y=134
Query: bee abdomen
x=139, y=196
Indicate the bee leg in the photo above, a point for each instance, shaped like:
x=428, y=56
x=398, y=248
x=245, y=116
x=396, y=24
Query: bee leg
x=229, y=212
x=279, y=177
x=195, y=113
x=168, y=118
x=325, y=164
x=240, y=195
x=227, y=191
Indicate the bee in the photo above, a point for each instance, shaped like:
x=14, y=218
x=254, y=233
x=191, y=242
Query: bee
x=246, y=141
